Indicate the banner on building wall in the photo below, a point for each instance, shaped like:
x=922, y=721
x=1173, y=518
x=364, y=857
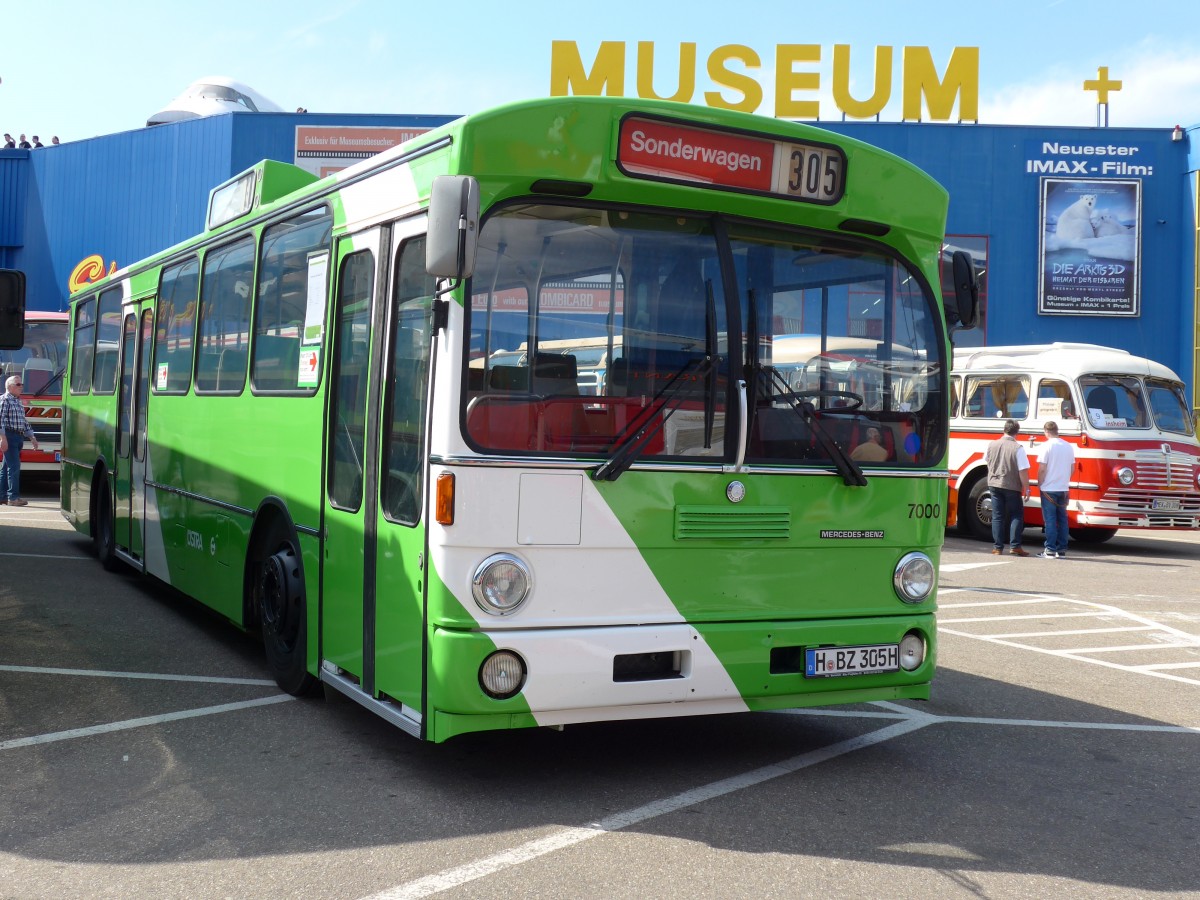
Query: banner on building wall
x=1089, y=252
x=325, y=149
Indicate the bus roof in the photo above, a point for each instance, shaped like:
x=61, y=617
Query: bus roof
x=1064, y=358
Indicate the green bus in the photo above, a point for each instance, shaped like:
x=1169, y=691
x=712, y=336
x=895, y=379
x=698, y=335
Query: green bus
x=353, y=415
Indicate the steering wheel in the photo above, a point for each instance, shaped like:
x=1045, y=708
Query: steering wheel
x=854, y=401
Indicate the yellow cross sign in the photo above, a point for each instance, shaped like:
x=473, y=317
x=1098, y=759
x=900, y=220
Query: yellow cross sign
x=1101, y=85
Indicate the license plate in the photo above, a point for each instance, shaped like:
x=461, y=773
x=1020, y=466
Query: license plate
x=58, y=456
x=828, y=662
x=1169, y=505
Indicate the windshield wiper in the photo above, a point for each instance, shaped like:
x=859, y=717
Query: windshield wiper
x=632, y=445
x=629, y=448
x=851, y=474
x=758, y=373
x=49, y=384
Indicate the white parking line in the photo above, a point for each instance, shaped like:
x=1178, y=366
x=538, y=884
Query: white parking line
x=138, y=723
x=911, y=720
x=1039, y=617
x=1029, y=634
x=567, y=837
x=45, y=556
x=1126, y=648
x=149, y=676
x=1157, y=667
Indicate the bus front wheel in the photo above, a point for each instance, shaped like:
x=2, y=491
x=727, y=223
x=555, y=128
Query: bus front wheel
x=1090, y=535
x=975, y=516
x=279, y=598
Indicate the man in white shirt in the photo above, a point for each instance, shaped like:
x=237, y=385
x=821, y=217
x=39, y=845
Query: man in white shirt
x=1055, y=464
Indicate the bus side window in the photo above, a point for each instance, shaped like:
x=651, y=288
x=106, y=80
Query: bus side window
x=998, y=397
x=83, y=345
x=1054, y=400
x=108, y=337
x=174, y=339
x=406, y=385
x=290, y=249
x=225, y=292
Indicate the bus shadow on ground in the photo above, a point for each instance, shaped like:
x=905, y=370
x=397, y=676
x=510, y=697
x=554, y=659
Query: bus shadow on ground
x=1116, y=807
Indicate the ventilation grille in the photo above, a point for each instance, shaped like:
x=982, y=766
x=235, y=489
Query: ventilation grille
x=720, y=523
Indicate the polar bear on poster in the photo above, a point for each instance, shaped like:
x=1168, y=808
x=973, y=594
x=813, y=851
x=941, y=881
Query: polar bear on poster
x=1075, y=222
x=1106, y=224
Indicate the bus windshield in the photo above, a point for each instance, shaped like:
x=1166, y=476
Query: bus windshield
x=1114, y=401
x=1169, y=405
x=581, y=317
x=41, y=362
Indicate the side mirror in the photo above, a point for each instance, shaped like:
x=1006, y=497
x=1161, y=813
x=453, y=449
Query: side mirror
x=12, y=309
x=453, y=226
x=964, y=312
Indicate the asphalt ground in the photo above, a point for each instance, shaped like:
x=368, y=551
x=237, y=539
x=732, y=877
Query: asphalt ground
x=145, y=752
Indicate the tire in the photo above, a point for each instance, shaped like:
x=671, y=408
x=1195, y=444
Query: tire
x=1091, y=535
x=277, y=582
x=104, y=532
x=975, y=516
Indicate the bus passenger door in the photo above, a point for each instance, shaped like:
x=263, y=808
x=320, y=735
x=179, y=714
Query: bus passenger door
x=351, y=452
x=372, y=609
x=401, y=546
x=129, y=471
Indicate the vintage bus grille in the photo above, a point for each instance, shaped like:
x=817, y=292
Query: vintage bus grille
x=1155, y=469
x=1138, y=504
x=1167, y=477
x=719, y=523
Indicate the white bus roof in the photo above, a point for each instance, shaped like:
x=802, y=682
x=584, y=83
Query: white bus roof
x=1070, y=360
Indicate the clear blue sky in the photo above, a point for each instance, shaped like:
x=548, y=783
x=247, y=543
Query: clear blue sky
x=79, y=69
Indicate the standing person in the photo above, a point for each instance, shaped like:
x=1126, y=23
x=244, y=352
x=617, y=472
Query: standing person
x=54, y=141
x=37, y=142
x=9, y=143
x=24, y=144
x=15, y=429
x=1008, y=480
x=1055, y=464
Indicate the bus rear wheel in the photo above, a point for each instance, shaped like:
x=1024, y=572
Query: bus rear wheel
x=279, y=598
x=104, y=532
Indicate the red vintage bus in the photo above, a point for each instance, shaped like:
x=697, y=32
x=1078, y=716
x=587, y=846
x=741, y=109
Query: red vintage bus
x=40, y=363
x=1137, y=460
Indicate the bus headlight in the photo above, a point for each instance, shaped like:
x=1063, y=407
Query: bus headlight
x=912, y=651
x=914, y=578
x=503, y=674
x=1124, y=475
x=501, y=584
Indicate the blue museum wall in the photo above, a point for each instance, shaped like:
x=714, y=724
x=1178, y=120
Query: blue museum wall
x=124, y=196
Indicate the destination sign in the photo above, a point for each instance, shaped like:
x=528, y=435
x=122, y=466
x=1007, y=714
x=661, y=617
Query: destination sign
x=669, y=151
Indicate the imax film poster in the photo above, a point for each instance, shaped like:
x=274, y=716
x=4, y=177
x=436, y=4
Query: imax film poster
x=1090, y=248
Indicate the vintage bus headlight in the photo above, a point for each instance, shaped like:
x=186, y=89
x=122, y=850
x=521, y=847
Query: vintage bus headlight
x=1124, y=475
x=501, y=584
x=912, y=651
x=915, y=577
x=503, y=674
